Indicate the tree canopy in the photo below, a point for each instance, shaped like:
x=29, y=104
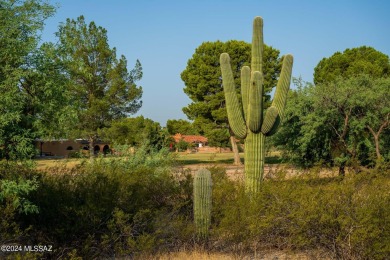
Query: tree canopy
x=32, y=95
x=180, y=126
x=342, y=119
x=136, y=132
x=339, y=123
x=102, y=87
x=352, y=62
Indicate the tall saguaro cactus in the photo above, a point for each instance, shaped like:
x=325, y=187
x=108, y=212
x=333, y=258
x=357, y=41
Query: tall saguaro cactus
x=247, y=119
x=202, y=202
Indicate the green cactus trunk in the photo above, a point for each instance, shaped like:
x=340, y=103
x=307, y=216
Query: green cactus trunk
x=254, y=161
x=202, y=202
x=247, y=118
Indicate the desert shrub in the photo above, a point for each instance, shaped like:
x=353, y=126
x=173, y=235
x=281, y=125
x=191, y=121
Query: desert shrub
x=111, y=207
x=76, y=154
x=226, y=212
x=349, y=218
x=17, y=181
x=138, y=204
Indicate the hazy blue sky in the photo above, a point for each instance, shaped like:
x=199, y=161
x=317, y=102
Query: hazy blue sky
x=163, y=35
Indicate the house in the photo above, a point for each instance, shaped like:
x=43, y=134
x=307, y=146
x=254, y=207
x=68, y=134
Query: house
x=65, y=147
x=196, y=140
x=200, y=144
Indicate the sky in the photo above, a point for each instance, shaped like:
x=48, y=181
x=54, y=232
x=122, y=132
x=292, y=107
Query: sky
x=163, y=35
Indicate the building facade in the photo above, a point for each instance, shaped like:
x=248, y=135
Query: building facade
x=66, y=147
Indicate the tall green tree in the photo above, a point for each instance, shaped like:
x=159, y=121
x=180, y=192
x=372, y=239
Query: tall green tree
x=49, y=98
x=356, y=112
x=351, y=64
x=103, y=88
x=31, y=88
x=203, y=84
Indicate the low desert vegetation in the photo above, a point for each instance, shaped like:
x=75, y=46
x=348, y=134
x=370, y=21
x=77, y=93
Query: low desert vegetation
x=143, y=206
x=138, y=202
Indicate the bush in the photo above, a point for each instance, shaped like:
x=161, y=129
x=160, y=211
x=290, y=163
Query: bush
x=75, y=154
x=182, y=146
x=17, y=181
x=140, y=204
x=346, y=217
x=115, y=206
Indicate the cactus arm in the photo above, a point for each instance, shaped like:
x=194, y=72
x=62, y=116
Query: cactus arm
x=257, y=45
x=280, y=98
x=255, y=110
x=269, y=120
x=283, y=85
x=245, y=86
x=274, y=128
x=234, y=111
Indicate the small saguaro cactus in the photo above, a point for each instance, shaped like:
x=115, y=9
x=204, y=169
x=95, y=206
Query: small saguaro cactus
x=246, y=119
x=202, y=202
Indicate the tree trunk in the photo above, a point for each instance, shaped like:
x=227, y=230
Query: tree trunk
x=376, y=138
x=342, y=169
x=237, y=160
x=378, y=153
x=91, y=148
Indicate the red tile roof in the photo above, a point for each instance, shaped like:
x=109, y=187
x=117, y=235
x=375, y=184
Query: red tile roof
x=190, y=138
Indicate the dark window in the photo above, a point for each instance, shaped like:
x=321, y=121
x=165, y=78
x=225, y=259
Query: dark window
x=96, y=149
x=106, y=149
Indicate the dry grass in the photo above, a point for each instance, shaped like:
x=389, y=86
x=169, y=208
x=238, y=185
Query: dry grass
x=227, y=158
x=44, y=164
x=183, y=158
x=272, y=255
x=193, y=255
x=194, y=161
x=195, y=158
